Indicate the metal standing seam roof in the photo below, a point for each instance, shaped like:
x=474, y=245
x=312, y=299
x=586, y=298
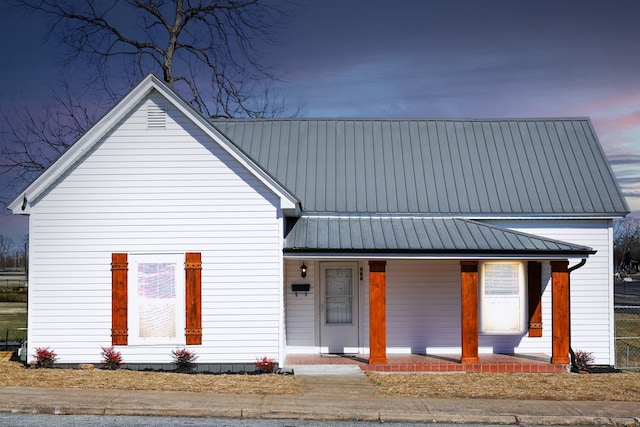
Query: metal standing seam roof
x=419, y=235
x=537, y=167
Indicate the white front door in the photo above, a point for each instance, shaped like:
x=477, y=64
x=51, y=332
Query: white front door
x=339, y=307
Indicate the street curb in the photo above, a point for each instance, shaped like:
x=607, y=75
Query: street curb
x=382, y=417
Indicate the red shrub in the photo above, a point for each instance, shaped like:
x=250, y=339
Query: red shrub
x=111, y=359
x=266, y=365
x=184, y=359
x=44, y=357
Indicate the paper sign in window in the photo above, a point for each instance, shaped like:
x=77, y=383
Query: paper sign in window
x=502, y=298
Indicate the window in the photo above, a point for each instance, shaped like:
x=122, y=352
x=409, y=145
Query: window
x=156, y=299
x=502, y=298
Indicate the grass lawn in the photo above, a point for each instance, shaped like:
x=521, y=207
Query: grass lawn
x=628, y=340
x=12, y=315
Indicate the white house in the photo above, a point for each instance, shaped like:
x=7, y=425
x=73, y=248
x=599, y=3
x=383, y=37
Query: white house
x=159, y=229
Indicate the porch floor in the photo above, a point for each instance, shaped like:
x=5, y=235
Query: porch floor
x=515, y=363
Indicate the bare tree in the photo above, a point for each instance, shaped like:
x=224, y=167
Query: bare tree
x=207, y=50
x=626, y=242
x=6, y=250
x=35, y=136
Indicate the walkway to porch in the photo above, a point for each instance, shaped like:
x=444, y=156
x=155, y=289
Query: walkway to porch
x=515, y=363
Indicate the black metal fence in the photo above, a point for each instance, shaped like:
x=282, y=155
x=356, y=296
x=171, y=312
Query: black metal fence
x=627, y=336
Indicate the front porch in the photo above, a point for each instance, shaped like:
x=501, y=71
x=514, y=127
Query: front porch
x=423, y=315
x=511, y=363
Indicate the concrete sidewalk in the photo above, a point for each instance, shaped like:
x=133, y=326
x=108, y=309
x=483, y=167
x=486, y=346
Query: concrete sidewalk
x=322, y=397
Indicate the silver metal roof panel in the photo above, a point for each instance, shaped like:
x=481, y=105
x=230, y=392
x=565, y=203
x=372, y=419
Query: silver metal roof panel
x=418, y=235
x=541, y=167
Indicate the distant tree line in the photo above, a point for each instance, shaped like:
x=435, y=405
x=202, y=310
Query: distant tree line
x=626, y=243
x=12, y=257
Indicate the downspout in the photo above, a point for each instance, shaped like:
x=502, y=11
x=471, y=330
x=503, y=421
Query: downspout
x=574, y=365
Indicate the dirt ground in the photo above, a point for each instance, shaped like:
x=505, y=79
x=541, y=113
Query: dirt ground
x=623, y=386
x=16, y=375
x=597, y=387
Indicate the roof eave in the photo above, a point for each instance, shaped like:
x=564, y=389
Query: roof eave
x=433, y=254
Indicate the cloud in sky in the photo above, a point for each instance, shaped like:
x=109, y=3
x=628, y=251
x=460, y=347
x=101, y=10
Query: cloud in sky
x=483, y=57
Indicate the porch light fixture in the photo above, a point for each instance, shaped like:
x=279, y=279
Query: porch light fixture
x=303, y=270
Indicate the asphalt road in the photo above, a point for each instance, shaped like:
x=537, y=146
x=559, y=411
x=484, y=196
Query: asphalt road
x=24, y=420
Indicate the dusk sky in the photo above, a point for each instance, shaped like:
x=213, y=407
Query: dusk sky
x=423, y=59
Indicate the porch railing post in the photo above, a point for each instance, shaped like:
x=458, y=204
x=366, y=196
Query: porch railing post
x=377, y=313
x=560, y=312
x=469, y=310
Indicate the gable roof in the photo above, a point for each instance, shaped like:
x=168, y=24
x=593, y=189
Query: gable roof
x=475, y=168
x=150, y=83
x=472, y=168
x=420, y=236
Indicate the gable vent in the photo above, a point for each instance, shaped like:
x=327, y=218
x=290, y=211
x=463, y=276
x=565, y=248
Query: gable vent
x=156, y=117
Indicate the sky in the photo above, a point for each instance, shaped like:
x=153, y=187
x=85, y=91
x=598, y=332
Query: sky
x=422, y=59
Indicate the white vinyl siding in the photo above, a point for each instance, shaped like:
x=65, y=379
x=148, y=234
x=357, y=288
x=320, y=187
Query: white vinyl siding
x=423, y=306
x=143, y=190
x=301, y=329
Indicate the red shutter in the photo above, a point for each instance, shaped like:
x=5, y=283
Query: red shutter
x=119, y=330
x=193, y=271
x=534, y=286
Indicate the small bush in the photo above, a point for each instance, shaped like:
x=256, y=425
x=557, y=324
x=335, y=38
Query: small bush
x=111, y=359
x=44, y=357
x=265, y=365
x=184, y=359
x=583, y=359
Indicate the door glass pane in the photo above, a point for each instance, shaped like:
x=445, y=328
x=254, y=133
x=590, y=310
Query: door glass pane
x=157, y=300
x=339, y=295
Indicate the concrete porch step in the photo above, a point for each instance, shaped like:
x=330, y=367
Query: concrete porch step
x=326, y=369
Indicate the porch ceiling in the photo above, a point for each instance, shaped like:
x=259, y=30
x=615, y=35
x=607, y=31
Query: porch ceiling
x=415, y=235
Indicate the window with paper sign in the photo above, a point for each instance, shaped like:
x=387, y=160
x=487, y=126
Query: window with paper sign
x=502, y=298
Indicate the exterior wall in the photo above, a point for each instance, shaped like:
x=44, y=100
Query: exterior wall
x=591, y=285
x=301, y=310
x=144, y=190
x=423, y=306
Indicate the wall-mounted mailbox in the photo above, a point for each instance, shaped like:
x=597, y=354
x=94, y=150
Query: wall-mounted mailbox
x=300, y=287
